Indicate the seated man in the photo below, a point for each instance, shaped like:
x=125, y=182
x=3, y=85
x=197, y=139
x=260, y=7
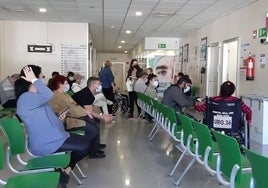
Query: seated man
x=175, y=98
x=85, y=98
x=7, y=93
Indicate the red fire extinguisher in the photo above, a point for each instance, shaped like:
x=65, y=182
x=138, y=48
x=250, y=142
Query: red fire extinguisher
x=250, y=68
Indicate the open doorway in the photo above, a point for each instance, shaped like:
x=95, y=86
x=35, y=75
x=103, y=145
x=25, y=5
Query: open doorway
x=118, y=69
x=230, y=62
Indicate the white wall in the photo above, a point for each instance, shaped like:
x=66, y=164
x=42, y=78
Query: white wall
x=102, y=57
x=239, y=24
x=16, y=35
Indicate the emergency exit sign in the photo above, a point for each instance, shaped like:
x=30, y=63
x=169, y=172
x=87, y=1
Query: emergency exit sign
x=262, y=32
x=162, y=45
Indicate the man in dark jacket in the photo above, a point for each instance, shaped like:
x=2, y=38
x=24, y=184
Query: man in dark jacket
x=175, y=98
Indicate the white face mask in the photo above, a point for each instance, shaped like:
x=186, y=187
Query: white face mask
x=186, y=89
x=67, y=88
x=155, y=84
x=71, y=78
x=99, y=89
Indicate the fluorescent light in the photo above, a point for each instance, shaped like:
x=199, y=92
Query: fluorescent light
x=42, y=10
x=122, y=41
x=119, y=46
x=138, y=13
x=128, y=31
x=125, y=52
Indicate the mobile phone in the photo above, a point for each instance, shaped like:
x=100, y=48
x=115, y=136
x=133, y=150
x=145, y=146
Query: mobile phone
x=64, y=111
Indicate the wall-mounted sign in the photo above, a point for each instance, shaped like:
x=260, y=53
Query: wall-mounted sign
x=162, y=45
x=40, y=48
x=262, y=32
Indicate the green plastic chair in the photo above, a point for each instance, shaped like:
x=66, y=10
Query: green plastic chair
x=40, y=180
x=231, y=163
x=13, y=131
x=188, y=136
x=206, y=147
x=156, y=115
x=259, y=166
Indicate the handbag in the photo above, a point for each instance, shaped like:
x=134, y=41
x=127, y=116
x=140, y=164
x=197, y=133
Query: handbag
x=129, y=84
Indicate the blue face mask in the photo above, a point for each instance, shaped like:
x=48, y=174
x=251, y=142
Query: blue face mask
x=67, y=88
x=99, y=89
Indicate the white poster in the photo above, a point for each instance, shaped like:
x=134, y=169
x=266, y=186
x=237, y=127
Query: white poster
x=74, y=57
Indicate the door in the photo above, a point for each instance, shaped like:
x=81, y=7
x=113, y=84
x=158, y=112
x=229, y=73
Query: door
x=118, y=69
x=213, y=74
x=230, y=61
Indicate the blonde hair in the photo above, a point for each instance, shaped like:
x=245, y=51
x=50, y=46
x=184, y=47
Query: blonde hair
x=108, y=63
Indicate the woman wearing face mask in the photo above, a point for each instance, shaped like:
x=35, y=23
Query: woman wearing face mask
x=70, y=79
x=61, y=100
x=152, y=83
x=77, y=83
x=188, y=88
x=132, y=76
x=151, y=90
x=45, y=130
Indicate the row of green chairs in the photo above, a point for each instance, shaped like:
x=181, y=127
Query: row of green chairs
x=35, y=172
x=222, y=158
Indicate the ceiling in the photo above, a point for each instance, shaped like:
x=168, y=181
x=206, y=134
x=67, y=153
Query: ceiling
x=109, y=19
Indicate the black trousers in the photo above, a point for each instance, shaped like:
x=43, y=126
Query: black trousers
x=132, y=100
x=79, y=147
x=109, y=94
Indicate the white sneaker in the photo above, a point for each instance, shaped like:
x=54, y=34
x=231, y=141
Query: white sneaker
x=109, y=102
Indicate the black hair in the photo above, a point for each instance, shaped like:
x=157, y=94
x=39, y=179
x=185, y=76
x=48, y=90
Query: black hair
x=36, y=70
x=227, y=89
x=21, y=86
x=70, y=73
x=150, y=77
x=92, y=79
x=180, y=74
x=183, y=79
x=55, y=73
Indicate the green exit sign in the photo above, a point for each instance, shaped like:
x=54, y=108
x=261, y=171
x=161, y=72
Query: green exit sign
x=262, y=32
x=162, y=45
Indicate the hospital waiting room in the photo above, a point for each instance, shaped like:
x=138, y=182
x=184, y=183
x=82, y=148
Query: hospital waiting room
x=133, y=93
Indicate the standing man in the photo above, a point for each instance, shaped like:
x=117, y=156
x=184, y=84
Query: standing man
x=108, y=86
x=7, y=92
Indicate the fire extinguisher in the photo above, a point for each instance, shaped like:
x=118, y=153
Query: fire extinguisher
x=250, y=68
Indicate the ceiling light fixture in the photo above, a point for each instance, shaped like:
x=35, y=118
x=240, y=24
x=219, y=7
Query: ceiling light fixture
x=125, y=52
x=112, y=26
x=42, y=10
x=128, y=31
x=138, y=13
x=119, y=46
x=123, y=42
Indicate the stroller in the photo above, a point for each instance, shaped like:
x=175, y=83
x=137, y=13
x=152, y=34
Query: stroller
x=122, y=101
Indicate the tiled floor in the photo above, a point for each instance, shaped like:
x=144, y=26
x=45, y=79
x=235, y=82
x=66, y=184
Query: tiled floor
x=134, y=162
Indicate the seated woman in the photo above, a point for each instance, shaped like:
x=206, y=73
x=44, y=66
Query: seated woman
x=77, y=117
x=45, y=130
x=226, y=91
x=152, y=83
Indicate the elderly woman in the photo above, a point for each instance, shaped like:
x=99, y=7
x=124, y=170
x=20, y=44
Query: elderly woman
x=108, y=86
